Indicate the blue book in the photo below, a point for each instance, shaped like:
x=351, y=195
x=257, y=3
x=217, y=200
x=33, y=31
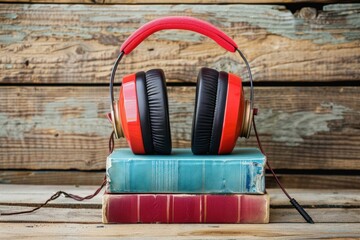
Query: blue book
x=182, y=172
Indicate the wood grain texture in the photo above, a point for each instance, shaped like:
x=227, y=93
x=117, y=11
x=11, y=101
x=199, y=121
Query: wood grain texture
x=326, y=206
x=176, y=1
x=56, y=1
x=314, y=181
x=316, y=198
x=93, y=216
x=305, y=181
x=51, y=177
x=45, y=43
x=66, y=128
x=181, y=231
x=319, y=215
x=29, y=195
x=54, y=215
x=219, y=1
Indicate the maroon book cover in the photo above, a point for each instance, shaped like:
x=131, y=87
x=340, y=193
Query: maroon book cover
x=183, y=208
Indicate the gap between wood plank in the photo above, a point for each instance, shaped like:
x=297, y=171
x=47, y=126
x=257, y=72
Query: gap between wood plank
x=291, y=5
x=354, y=83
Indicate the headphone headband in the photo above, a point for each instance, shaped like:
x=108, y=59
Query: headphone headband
x=184, y=23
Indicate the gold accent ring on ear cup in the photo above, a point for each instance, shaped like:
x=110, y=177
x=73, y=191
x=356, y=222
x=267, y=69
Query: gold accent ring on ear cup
x=247, y=120
x=116, y=122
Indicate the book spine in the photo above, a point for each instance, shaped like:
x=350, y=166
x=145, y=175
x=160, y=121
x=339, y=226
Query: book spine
x=172, y=176
x=181, y=208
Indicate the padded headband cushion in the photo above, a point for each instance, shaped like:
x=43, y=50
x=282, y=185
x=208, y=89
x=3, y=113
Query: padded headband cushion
x=175, y=22
x=210, y=103
x=153, y=111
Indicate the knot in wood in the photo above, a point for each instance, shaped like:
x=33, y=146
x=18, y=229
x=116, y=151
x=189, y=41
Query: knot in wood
x=307, y=13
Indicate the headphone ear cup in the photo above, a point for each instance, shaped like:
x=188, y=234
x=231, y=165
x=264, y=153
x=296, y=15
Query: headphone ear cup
x=208, y=119
x=154, y=111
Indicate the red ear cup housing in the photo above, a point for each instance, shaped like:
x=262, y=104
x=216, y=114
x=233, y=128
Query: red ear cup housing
x=234, y=114
x=129, y=114
x=219, y=107
x=144, y=114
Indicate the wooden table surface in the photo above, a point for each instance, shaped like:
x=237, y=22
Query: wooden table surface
x=336, y=213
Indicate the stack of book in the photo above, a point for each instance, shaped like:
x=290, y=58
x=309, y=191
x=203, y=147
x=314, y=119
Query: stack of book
x=186, y=188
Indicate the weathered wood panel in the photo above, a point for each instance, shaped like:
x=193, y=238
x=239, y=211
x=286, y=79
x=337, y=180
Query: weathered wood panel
x=222, y=1
x=91, y=215
x=315, y=198
x=319, y=215
x=181, y=231
x=304, y=181
x=30, y=195
x=312, y=181
x=51, y=177
x=176, y=1
x=55, y=215
x=66, y=128
x=46, y=43
x=55, y=1
x=324, y=205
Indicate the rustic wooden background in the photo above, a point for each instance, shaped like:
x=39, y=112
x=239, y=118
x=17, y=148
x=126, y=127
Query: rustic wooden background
x=55, y=62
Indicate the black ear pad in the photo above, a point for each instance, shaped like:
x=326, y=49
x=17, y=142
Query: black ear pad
x=211, y=91
x=144, y=113
x=153, y=111
x=219, y=113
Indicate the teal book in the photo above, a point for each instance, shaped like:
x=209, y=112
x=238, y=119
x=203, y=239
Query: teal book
x=182, y=172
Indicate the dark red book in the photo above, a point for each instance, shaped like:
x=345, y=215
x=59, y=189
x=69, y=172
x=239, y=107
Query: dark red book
x=182, y=208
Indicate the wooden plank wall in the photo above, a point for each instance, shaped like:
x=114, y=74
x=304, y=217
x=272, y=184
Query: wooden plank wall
x=55, y=62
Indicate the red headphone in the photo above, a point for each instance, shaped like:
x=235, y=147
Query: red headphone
x=221, y=112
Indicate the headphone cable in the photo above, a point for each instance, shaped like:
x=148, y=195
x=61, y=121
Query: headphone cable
x=69, y=195
x=296, y=205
